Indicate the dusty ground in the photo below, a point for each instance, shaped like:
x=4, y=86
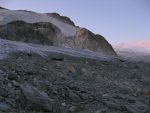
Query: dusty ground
x=30, y=83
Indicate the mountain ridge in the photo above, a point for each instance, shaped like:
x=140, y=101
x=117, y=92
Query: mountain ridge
x=58, y=30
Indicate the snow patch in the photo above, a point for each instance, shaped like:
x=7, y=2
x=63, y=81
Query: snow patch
x=7, y=47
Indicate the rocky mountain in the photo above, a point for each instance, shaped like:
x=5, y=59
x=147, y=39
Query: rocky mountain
x=61, y=18
x=135, y=50
x=51, y=29
x=48, y=65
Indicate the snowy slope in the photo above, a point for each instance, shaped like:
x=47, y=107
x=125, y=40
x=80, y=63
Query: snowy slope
x=7, y=47
x=7, y=16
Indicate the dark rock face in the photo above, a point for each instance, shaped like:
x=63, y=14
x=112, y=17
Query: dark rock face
x=85, y=39
x=61, y=18
x=38, y=33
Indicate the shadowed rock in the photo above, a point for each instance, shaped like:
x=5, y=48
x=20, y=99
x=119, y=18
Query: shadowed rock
x=39, y=33
x=36, y=99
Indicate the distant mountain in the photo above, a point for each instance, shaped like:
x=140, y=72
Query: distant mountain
x=50, y=29
x=137, y=46
x=135, y=50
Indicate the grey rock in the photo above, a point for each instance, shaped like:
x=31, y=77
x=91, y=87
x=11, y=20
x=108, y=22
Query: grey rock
x=63, y=104
x=72, y=109
x=138, y=107
x=124, y=103
x=2, y=73
x=4, y=107
x=112, y=103
x=73, y=96
x=3, y=92
x=11, y=102
x=36, y=99
x=12, y=76
x=101, y=111
x=1, y=98
x=16, y=84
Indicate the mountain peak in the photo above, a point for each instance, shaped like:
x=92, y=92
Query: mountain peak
x=51, y=29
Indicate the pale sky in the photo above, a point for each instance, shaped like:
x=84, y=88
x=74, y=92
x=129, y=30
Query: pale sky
x=117, y=20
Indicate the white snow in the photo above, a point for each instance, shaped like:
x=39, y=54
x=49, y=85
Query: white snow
x=7, y=47
x=7, y=16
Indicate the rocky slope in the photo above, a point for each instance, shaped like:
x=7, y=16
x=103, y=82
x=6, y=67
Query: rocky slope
x=51, y=29
x=43, y=79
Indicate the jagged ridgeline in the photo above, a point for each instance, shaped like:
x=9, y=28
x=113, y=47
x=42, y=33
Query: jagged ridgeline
x=50, y=29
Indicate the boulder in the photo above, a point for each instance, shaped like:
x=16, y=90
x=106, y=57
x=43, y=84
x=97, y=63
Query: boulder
x=35, y=99
x=4, y=107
